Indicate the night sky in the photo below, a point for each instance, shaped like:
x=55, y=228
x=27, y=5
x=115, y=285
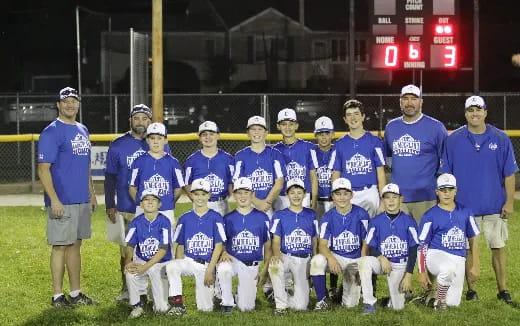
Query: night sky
x=37, y=37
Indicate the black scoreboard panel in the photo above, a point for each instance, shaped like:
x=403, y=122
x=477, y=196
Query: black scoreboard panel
x=414, y=34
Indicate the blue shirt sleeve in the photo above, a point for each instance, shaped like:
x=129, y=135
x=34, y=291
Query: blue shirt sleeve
x=220, y=234
x=132, y=229
x=378, y=155
x=426, y=229
x=48, y=145
x=276, y=227
x=279, y=164
x=325, y=228
x=510, y=165
x=179, y=232
x=413, y=238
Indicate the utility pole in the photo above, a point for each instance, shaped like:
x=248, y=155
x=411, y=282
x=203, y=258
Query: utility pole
x=157, y=61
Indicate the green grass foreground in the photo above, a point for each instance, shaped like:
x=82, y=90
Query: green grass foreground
x=25, y=287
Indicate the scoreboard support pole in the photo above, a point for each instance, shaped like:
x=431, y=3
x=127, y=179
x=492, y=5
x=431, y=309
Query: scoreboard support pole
x=476, y=46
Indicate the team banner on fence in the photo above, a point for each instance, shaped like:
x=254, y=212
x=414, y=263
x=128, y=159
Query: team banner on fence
x=98, y=161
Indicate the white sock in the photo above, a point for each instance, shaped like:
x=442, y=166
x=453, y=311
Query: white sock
x=56, y=296
x=74, y=293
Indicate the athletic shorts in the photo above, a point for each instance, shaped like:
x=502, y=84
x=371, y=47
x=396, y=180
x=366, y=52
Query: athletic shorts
x=417, y=209
x=75, y=224
x=494, y=228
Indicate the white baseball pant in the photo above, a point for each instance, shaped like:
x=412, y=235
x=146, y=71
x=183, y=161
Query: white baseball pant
x=189, y=267
x=368, y=199
x=246, y=289
x=220, y=206
x=323, y=207
x=351, y=283
x=137, y=284
x=297, y=266
x=449, y=270
x=369, y=265
x=282, y=202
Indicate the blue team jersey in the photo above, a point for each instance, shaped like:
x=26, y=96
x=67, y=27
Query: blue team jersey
x=393, y=238
x=261, y=168
x=300, y=159
x=480, y=163
x=148, y=237
x=122, y=152
x=163, y=175
x=448, y=231
x=246, y=234
x=416, y=150
x=199, y=234
x=358, y=159
x=217, y=170
x=67, y=148
x=345, y=233
x=324, y=172
x=295, y=230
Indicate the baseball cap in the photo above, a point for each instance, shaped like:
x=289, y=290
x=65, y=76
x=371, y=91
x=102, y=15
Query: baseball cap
x=156, y=128
x=243, y=183
x=392, y=188
x=411, y=89
x=446, y=180
x=475, y=101
x=208, y=126
x=256, y=121
x=341, y=183
x=200, y=184
x=68, y=92
x=150, y=192
x=295, y=182
x=323, y=124
x=141, y=108
x=287, y=114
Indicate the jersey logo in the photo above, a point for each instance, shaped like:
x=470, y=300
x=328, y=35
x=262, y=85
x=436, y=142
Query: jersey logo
x=324, y=175
x=346, y=241
x=158, y=183
x=358, y=164
x=216, y=183
x=298, y=239
x=493, y=146
x=295, y=170
x=199, y=245
x=454, y=239
x=149, y=247
x=406, y=146
x=245, y=242
x=80, y=145
x=130, y=159
x=261, y=179
x=393, y=247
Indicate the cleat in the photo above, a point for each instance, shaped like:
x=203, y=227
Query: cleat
x=82, y=300
x=269, y=295
x=440, y=306
x=123, y=296
x=321, y=305
x=369, y=309
x=280, y=312
x=471, y=295
x=177, y=310
x=227, y=310
x=136, y=312
x=384, y=302
x=60, y=302
x=505, y=296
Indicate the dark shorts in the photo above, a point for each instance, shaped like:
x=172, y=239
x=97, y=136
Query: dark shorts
x=75, y=224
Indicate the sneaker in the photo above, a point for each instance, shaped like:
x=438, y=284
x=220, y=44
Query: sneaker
x=136, y=312
x=505, y=296
x=123, y=296
x=321, y=305
x=177, y=310
x=384, y=302
x=440, y=306
x=227, y=310
x=471, y=295
x=269, y=295
x=82, y=300
x=336, y=295
x=61, y=301
x=280, y=312
x=369, y=309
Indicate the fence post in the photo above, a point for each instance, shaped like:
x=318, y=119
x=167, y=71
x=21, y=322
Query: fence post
x=116, y=115
x=505, y=112
x=264, y=110
x=33, y=167
x=381, y=113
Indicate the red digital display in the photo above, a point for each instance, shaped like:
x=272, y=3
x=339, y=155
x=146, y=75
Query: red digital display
x=414, y=51
x=443, y=56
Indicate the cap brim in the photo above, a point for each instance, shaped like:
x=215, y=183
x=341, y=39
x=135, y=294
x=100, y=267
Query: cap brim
x=292, y=186
x=201, y=131
x=256, y=124
x=446, y=186
x=242, y=188
x=288, y=119
x=476, y=106
x=143, y=197
x=342, y=188
x=322, y=130
x=409, y=93
x=390, y=192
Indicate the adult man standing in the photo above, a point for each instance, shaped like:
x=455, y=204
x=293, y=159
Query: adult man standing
x=64, y=169
x=482, y=149
x=413, y=144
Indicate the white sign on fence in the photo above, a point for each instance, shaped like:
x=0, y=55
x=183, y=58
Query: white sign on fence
x=98, y=160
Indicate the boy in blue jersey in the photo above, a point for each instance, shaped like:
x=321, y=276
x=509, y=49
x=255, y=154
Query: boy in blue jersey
x=262, y=164
x=299, y=158
x=342, y=230
x=199, y=236
x=324, y=134
x=248, y=244
x=413, y=144
x=150, y=238
x=358, y=157
x=294, y=242
x=445, y=231
x=64, y=169
x=212, y=164
x=390, y=248
x=157, y=170
x=482, y=159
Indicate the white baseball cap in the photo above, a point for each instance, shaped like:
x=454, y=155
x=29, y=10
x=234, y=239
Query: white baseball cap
x=287, y=114
x=323, y=124
x=411, y=89
x=446, y=180
x=243, y=183
x=68, y=92
x=295, y=182
x=475, y=101
x=256, y=121
x=200, y=184
x=156, y=128
x=341, y=183
x=392, y=188
x=208, y=126
x=150, y=192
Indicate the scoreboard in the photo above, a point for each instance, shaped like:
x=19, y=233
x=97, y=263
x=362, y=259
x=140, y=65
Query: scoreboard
x=414, y=34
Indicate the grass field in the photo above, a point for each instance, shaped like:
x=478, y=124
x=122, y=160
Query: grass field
x=25, y=287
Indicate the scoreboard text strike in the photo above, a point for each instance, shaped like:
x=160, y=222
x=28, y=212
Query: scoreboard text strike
x=414, y=34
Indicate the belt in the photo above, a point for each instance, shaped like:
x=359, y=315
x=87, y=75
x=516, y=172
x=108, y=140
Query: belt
x=299, y=255
x=200, y=261
x=217, y=198
x=251, y=263
x=398, y=260
x=324, y=199
x=362, y=188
